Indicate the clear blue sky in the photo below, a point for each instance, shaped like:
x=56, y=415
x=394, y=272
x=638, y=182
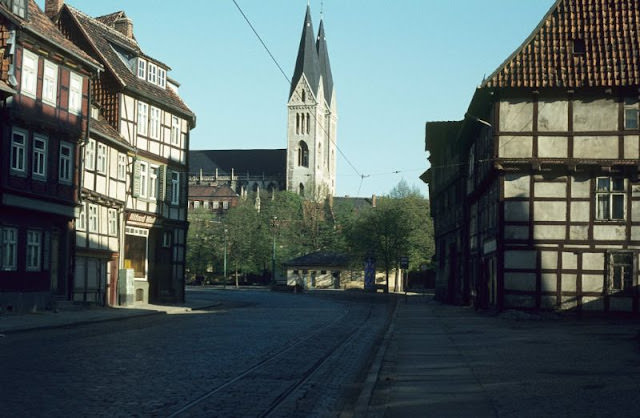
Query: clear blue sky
x=396, y=65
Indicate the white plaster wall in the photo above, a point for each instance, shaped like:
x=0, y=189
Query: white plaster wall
x=593, y=261
x=553, y=146
x=580, y=211
x=635, y=233
x=516, y=185
x=549, y=282
x=553, y=115
x=569, y=261
x=520, y=281
x=550, y=211
x=592, y=283
x=128, y=118
x=101, y=184
x=609, y=232
x=579, y=232
x=581, y=187
x=568, y=282
x=632, y=147
x=515, y=146
x=549, y=189
x=595, y=115
x=548, y=232
x=595, y=147
x=516, y=211
x=89, y=179
x=592, y=303
x=520, y=259
x=568, y=303
x=549, y=259
x=516, y=116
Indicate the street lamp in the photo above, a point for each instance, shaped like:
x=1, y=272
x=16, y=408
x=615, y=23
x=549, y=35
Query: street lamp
x=274, y=224
x=224, y=274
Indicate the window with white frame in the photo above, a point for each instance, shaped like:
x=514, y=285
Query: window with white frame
x=620, y=275
x=81, y=223
x=39, y=157
x=144, y=178
x=196, y=204
x=143, y=118
x=93, y=218
x=155, y=123
x=8, y=247
x=50, y=83
x=34, y=250
x=142, y=68
x=90, y=155
x=112, y=218
x=19, y=7
x=152, y=73
x=66, y=163
x=101, y=159
x=18, y=150
x=610, y=198
x=225, y=205
x=122, y=166
x=162, y=77
x=175, y=188
x=75, y=93
x=175, y=130
x=215, y=204
x=153, y=182
x=29, y=74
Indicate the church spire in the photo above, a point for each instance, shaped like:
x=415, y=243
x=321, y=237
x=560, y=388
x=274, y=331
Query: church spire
x=307, y=61
x=325, y=65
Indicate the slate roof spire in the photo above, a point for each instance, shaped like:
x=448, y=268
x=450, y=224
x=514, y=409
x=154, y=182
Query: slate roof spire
x=325, y=65
x=307, y=62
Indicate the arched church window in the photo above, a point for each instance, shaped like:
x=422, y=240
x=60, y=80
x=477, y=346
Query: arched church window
x=303, y=154
x=297, y=123
x=308, y=123
x=304, y=96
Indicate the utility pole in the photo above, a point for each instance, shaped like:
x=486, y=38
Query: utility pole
x=274, y=224
x=224, y=274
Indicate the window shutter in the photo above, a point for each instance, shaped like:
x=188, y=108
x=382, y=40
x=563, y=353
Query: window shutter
x=162, y=183
x=169, y=188
x=136, y=178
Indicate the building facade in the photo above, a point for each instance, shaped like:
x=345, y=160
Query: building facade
x=146, y=226
x=546, y=165
x=45, y=82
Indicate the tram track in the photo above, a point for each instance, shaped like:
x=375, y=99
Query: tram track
x=283, y=376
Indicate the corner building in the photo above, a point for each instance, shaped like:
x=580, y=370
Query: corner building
x=135, y=217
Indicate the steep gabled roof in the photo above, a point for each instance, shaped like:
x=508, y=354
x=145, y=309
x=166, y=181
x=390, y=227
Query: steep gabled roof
x=578, y=43
x=197, y=191
x=307, y=61
x=325, y=65
x=320, y=259
x=109, y=45
x=38, y=24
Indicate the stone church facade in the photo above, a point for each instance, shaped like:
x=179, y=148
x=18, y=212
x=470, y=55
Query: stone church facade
x=308, y=165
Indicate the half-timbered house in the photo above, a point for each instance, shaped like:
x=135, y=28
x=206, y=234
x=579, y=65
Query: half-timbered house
x=141, y=103
x=45, y=86
x=550, y=150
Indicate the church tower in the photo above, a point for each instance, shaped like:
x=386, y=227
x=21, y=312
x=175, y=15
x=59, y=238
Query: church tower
x=312, y=118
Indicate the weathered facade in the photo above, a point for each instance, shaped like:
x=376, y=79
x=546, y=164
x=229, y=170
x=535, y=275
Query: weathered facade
x=141, y=104
x=44, y=91
x=545, y=164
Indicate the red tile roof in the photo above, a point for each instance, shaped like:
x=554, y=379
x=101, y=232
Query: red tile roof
x=578, y=43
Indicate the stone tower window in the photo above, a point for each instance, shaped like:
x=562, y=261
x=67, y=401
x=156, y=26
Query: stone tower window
x=303, y=154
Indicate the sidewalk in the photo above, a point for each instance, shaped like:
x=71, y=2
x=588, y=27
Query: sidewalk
x=12, y=323
x=417, y=372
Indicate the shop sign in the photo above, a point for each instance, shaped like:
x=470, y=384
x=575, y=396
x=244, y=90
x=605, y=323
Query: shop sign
x=142, y=218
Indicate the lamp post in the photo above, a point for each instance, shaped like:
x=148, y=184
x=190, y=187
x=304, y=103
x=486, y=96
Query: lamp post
x=274, y=223
x=224, y=274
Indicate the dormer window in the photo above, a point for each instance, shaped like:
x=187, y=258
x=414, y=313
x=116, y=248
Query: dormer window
x=162, y=77
x=579, y=47
x=19, y=7
x=152, y=73
x=142, y=68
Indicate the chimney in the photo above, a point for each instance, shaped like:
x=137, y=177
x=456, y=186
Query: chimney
x=124, y=25
x=52, y=7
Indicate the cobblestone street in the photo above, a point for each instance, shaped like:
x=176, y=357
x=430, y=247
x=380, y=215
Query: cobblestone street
x=256, y=353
